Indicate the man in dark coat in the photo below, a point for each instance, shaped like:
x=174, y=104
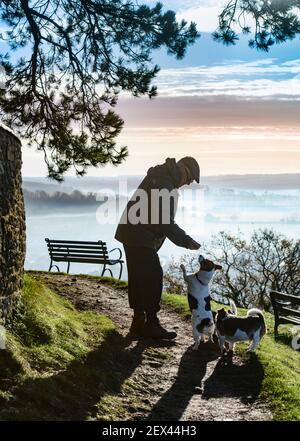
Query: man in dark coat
x=146, y=222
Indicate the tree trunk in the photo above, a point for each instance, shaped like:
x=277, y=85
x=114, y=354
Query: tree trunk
x=12, y=222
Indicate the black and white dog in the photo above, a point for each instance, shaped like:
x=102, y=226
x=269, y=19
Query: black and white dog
x=232, y=329
x=199, y=299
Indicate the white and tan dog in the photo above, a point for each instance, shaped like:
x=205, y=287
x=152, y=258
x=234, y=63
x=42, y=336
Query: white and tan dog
x=232, y=329
x=199, y=299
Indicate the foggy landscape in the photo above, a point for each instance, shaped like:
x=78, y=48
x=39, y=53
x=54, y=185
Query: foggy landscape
x=70, y=211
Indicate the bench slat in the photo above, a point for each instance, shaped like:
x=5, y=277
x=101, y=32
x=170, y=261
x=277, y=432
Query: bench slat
x=280, y=295
x=289, y=320
x=87, y=247
x=288, y=311
x=80, y=260
x=99, y=242
x=81, y=256
x=75, y=251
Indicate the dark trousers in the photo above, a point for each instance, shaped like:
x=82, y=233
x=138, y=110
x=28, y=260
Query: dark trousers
x=145, y=279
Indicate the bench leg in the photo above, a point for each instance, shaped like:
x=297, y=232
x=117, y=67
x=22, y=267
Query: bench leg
x=68, y=269
x=106, y=269
x=103, y=271
x=52, y=266
x=276, y=321
x=121, y=269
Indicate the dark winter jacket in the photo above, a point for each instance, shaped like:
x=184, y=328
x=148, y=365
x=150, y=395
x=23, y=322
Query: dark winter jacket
x=146, y=233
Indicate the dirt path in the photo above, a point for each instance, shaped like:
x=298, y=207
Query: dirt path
x=173, y=381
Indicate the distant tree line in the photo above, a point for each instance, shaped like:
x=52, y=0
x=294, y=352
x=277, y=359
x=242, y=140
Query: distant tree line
x=41, y=197
x=250, y=268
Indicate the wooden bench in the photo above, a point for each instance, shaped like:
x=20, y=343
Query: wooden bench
x=286, y=309
x=82, y=252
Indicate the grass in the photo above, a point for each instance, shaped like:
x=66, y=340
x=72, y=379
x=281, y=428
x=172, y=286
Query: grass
x=62, y=364
x=115, y=283
x=59, y=364
x=281, y=364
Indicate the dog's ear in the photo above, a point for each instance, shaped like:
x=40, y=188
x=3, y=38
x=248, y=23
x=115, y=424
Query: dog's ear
x=218, y=267
x=201, y=259
x=221, y=313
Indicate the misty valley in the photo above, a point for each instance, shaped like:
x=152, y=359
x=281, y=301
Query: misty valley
x=71, y=212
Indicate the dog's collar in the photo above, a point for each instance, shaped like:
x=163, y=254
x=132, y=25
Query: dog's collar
x=204, y=284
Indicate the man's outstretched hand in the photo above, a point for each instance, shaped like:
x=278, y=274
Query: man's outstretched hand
x=193, y=245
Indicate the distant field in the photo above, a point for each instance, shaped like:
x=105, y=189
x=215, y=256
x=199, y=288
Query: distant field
x=90, y=183
x=267, y=182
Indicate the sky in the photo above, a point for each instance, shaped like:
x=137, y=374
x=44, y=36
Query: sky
x=234, y=109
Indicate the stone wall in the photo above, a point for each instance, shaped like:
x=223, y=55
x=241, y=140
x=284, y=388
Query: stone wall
x=12, y=222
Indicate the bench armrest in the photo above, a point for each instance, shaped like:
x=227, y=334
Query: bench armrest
x=118, y=249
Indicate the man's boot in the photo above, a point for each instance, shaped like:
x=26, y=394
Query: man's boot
x=138, y=322
x=153, y=329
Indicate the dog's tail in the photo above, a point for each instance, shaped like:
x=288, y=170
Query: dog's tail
x=254, y=312
x=183, y=270
x=233, y=308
